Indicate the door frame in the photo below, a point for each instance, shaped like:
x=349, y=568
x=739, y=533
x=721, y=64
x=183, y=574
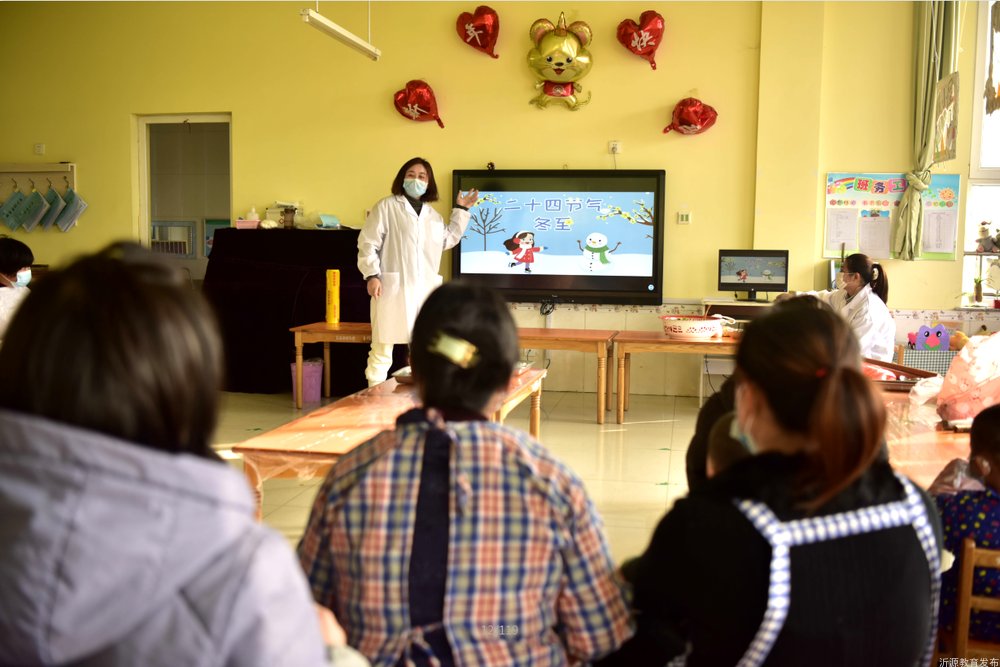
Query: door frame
x=142, y=225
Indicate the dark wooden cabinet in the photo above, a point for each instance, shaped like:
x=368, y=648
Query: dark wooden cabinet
x=261, y=282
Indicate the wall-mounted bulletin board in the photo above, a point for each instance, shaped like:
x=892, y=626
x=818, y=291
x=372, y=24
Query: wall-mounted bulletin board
x=860, y=209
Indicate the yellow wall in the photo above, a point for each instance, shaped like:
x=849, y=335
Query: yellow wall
x=313, y=120
x=787, y=138
x=867, y=120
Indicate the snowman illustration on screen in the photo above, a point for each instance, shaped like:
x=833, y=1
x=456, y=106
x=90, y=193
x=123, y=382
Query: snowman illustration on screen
x=595, y=254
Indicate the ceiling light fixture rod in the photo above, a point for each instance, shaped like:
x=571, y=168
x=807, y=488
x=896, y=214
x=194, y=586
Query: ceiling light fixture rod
x=342, y=35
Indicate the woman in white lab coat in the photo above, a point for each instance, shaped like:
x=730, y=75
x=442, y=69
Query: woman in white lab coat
x=399, y=251
x=861, y=296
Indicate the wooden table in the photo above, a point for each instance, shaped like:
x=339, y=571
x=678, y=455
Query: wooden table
x=628, y=342
x=308, y=446
x=322, y=332
x=917, y=446
x=598, y=341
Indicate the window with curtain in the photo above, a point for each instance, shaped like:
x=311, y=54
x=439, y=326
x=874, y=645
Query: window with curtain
x=983, y=202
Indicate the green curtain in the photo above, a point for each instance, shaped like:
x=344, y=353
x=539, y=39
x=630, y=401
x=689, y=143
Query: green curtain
x=992, y=92
x=935, y=49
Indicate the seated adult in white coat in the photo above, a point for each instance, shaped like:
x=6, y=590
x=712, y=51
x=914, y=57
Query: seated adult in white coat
x=861, y=296
x=399, y=251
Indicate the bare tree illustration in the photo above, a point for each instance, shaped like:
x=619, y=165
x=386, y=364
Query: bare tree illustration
x=642, y=215
x=485, y=220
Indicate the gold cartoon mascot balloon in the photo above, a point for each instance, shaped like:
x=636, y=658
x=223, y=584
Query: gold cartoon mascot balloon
x=560, y=59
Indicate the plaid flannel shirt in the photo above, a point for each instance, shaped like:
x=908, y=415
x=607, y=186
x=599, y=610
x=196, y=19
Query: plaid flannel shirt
x=530, y=578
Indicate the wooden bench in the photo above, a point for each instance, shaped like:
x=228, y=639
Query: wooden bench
x=308, y=446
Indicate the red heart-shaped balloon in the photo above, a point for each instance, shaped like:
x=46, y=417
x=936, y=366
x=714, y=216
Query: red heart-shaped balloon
x=479, y=30
x=417, y=102
x=644, y=37
x=692, y=116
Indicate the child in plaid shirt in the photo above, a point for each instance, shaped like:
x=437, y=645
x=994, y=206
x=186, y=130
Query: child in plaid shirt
x=452, y=540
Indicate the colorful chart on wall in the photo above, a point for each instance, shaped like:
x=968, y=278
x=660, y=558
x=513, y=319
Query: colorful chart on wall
x=861, y=207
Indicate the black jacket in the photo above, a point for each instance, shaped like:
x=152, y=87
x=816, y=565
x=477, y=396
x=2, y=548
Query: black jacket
x=861, y=600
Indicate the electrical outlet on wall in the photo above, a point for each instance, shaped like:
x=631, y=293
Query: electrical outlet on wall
x=683, y=217
x=615, y=147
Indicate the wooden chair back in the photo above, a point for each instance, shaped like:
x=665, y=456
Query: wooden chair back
x=974, y=557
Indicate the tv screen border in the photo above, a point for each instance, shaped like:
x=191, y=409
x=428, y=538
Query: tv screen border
x=517, y=288
x=752, y=288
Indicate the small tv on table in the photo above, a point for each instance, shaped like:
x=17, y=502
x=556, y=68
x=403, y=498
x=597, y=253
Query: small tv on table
x=753, y=271
x=562, y=236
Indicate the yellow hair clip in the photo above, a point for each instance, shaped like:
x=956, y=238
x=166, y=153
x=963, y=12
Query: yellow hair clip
x=460, y=352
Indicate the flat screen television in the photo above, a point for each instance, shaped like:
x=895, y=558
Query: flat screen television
x=563, y=236
x=753, y=271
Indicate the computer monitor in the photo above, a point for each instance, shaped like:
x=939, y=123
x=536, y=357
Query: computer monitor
x=753, y=271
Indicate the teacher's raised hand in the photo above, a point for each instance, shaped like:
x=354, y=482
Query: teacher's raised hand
x=469, y=199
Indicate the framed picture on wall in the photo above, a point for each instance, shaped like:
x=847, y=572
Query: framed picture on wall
x=210, y=226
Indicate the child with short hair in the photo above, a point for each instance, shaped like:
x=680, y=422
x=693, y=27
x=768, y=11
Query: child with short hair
x=975, y=514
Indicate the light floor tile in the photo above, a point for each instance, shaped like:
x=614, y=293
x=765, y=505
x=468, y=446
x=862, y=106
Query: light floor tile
x=275, y=497
x=306, y=497
x=633, y=472
x=627, y=542
x=289, y=521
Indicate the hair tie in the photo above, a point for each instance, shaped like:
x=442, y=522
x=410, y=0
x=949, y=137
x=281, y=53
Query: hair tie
x=460, y=352
x=821, y=372
x=874, y=272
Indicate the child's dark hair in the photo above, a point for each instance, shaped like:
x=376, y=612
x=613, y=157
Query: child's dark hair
x=120, y=343
x=985, y=435
x=14, y=256
x=474, y=314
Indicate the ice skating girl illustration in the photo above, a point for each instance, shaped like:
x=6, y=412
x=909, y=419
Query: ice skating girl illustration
x=522, y=249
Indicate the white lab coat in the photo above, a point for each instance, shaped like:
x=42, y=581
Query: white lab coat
x=10, y=301
x=405, y=250
x=870, y=319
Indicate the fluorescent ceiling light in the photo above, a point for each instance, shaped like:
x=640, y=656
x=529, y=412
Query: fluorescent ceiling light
x=320, y=22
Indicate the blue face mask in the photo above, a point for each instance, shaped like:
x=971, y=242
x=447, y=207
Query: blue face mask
x=23, y=278
x=741, y=436
x=414, y=187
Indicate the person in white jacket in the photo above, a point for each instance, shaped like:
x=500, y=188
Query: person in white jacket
x=399, y=251
x=861, y=296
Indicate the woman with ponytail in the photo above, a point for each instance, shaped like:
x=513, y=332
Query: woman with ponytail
x=811, y=551
x=861, y=297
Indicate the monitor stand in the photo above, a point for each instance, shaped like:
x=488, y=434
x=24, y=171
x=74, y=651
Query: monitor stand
x=752, y=296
